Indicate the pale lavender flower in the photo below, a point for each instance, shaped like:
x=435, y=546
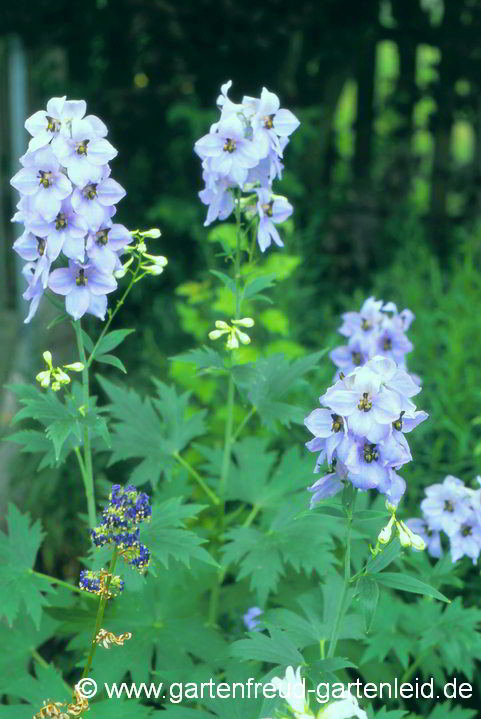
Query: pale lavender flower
x=348, y=357
x=272, y=210
x=96, y=201
x=431, y=537
x=83, y=152
x=329, y=484
x=104, y=247
x=42, y=177
x=270, y=122
x=329, y=427
x=249, y=618
x=34, y=291
x=68, y=231
x=369, y=407
x=39, y=250
x=446, y=505
x=364, y=321
x=85, y=289
x=466, y=539
x=230, y=153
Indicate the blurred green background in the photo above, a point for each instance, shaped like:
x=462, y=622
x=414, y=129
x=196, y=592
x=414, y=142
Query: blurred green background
x=384, y=174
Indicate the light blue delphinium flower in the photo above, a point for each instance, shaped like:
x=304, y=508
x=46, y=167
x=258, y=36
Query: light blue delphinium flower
x=360, y=430
x=249, y=618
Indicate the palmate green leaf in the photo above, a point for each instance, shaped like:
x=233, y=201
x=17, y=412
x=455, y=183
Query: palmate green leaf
x=47, y=684
x=275, y=377
x=166, y=535
x=150, y=429
x=263, y=553
x=387, y=714
x=124, y=709
x=21, y=639
x=204, y=358
x=228, y=281
x=258, y=284
x=18, y=550
x=168, y=621
x=277, y=648
x=407, y=583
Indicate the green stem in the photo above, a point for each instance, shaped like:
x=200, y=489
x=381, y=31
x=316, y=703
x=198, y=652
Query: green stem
x=343, y=605
x=239, y=429
x=87, y=475
x=100, y=616
x=60, y=582
x=228, y=437
x=119, y=304
x=215, y=499
x=411, y=669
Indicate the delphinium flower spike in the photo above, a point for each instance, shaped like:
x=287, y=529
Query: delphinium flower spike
x=360, y=430
x=67, y=202
x=242, y=153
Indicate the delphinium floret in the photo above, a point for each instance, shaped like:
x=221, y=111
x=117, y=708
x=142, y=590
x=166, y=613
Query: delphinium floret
x=359, y=432
x=242, y=153
x=378, y=329
x=455, y=509
x=127, y=508
x=67, y=201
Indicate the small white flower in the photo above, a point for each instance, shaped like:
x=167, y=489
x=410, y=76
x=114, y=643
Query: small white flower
x=346, y=708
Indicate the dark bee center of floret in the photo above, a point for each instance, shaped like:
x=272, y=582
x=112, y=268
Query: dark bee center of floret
x=52, y=124
x=267, y=207
x=61, y=221
x=356, y=358
x=229, y=145
x=466, y=531
x=81, y=280
x=82, y=147
x=102, y=237
x=370, y=453
x=336, y=423
x=90, y=191
x=41, y=244
x=398, y=423
x=46, y=178
x=448, y=506
x=268, y=121
x=365, y=325
x=387, y=344
x=365, y=403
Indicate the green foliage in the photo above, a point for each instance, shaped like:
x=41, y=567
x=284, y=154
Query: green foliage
x=18, y=550
x=153, y=429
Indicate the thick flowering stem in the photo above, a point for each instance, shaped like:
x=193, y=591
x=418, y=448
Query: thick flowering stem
x=86, y=467
x=229, y=425
x=100, y=616
x=343, y=604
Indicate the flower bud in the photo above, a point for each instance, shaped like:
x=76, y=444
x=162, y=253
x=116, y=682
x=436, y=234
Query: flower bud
x=232, y=342
x=221, y=325
x=75, y=366
x=153, y=234
x=244, y=322
x=153, y=269
x=245, y=339
x=386, y=533
x=48, y=359
x=404, y=537
x=215, y=334
x=157, y=259
x=44, y=378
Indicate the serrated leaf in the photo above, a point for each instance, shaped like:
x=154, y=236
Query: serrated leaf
x=368, y=597
x=274, y=377
x=150, y=429
x=204, y=358
x=18, y=551
x=277, y=648
x=407, y=583
x=166, y=535
x=111, y=340
x=59, y=431
x=112, y=360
